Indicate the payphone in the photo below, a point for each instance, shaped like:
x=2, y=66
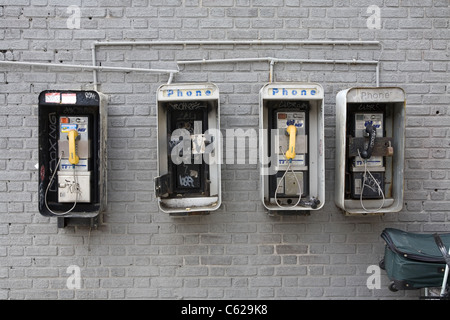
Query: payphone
x=189, y=149
x=72, y=156
x=369, y=150
x=291, y=147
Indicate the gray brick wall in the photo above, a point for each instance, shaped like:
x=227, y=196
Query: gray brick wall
x=237, y=252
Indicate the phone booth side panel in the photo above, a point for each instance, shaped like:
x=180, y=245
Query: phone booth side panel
x=340, y=147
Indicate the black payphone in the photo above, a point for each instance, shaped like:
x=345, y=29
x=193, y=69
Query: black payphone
x=368, y=148
x=72, y=155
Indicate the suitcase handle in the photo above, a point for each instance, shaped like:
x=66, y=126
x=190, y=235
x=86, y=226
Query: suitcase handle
x=442, y=248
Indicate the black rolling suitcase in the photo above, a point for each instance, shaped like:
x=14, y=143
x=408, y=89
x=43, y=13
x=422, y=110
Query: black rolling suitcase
x=415, y=261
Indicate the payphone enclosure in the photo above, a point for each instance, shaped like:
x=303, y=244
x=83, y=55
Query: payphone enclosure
x=188, y=178
x=72, y=155
x=369, y=184
x=292, y=159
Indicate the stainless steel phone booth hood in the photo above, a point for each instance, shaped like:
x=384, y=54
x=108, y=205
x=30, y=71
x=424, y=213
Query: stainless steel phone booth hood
x=188, y=178
x=370, y=143
x=292, y=156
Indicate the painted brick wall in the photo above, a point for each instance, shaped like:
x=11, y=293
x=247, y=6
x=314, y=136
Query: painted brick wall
x=237, y=252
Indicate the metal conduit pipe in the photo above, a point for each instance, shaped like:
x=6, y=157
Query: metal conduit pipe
x=377, y=74
x=86, y=67
x=234, y=42
x=272, y=61
x=81, y=66
x=170, y=78
x=238, y=42
x=94, y=63
x=95, y=68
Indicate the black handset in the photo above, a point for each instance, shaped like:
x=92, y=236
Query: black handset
x=366, y=129
x=372, y=132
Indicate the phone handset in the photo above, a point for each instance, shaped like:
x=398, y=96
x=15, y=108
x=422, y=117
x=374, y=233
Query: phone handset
x=72, y=135
x=372, y=131
x=291, y=130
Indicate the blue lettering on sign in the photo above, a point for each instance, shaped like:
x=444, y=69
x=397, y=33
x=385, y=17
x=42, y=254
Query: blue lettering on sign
x=292, y=92
x=370, y=122
x=81, y=129
x=189, y=93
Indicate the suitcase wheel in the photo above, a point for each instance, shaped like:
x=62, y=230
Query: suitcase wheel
x=392, y=287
